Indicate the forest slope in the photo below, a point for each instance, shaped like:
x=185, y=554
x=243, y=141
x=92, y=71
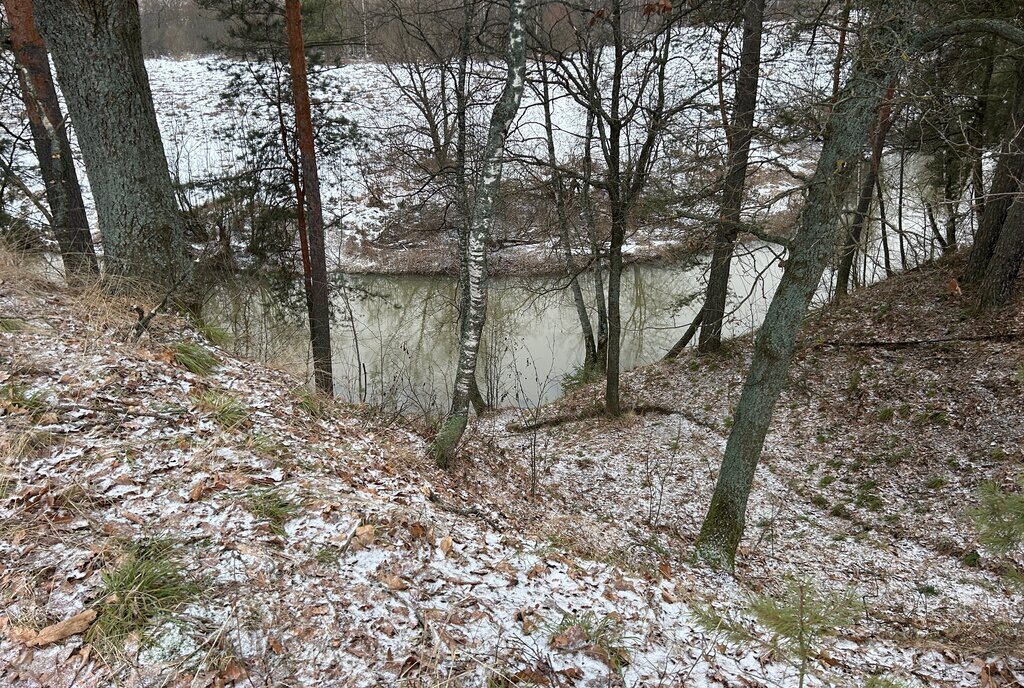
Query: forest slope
x=216, y=526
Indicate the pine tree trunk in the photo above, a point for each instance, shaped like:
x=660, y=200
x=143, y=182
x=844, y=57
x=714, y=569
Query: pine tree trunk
x=867, y=192
x=812, y=248
x=50, y=138
x=319, y=297
x=1004, y=266
x=448, y=437
x=1005, y=181
x=96, y=49
x=739, y=137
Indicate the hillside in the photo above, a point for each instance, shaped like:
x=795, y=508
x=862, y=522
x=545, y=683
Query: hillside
x=216, y=526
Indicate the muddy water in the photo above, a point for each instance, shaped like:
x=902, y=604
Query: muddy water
x=394, y=337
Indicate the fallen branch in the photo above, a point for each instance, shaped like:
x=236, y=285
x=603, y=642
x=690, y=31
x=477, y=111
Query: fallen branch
x=678, y=347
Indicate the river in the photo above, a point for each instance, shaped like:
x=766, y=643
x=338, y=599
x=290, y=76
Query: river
x=394, y=336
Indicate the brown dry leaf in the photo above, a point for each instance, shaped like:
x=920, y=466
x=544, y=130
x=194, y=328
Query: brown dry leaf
x=572, y=673
x=395, y=583
x=411, y=664
x=134, y=518
x=669, y=596
x=446, y=545
x=505, y=568
x=365, y=535
x=621, y=584
x=64, y=629
x=197, y=491
x=572, y=638
x=665, y=569
x=233, y=672
x=275, y=644
x=538, y=570
x=531, y=676
x=418, y=530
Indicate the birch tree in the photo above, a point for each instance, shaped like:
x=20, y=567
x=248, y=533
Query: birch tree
x=96, y=49
x=481, y=219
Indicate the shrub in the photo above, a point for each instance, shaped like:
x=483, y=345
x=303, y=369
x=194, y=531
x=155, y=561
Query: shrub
x=273, y=506
x=145, y=586
x=227, y=411
x=800, y=618
x=602, y=633
x=194, y=357
x=578, y=377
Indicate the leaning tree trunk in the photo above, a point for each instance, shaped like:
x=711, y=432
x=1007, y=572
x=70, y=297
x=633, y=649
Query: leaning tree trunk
x=97, y=53
x=1005, y=181
x=1004, y=266
x=812, y=248
x=741, y=130
x=443, y=446
x=318, y=298
x=867, y=193
x=50, y=138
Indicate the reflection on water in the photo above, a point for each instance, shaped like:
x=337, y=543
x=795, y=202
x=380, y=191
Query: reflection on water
x=394, y=337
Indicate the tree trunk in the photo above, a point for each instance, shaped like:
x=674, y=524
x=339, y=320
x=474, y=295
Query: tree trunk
x=562, y=212
x=97, y=53
x=812, y=249
x=318, y=299
x=739, y=137
x=56, y=164
x=867, y=193
x=1005, y=182
x=587, y=214
x=1004, y=266
x=443, y=446
x=612, y=404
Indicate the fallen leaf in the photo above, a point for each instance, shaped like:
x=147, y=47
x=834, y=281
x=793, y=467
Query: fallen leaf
x=446, y=545
x=233, y=672
x=395, y=583
x=197, y=491
x=365, y=535
x=64, y=629
x=532, y=676
x=275, y=644
x=572, y=673
x=572, y=638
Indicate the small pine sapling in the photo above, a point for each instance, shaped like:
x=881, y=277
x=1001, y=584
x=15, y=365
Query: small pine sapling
x=800, y=619
x=999, y=519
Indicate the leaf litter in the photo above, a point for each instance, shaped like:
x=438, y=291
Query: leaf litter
x=382, y=571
